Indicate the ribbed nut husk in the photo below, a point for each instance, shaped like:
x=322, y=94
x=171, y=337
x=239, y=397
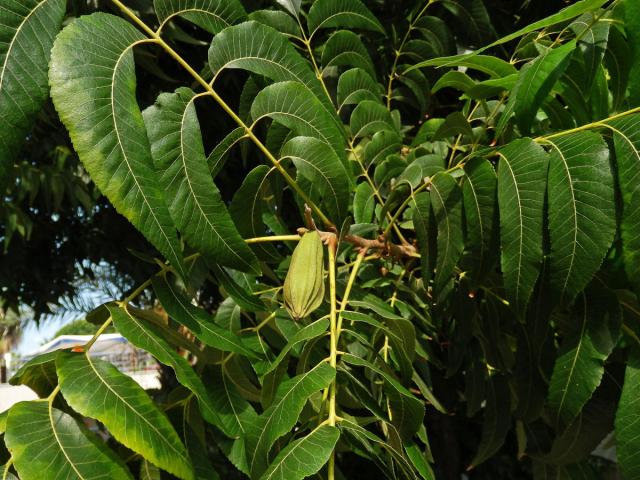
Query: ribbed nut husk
x=304, y=283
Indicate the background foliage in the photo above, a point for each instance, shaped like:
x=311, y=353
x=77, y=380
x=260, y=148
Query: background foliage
x=472, y=167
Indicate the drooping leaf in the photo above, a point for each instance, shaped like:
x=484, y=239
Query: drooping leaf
x=197, y=320
x=262, y=50
x=497, y=419
x=446, y=201
x=383, y=143
x=147, y=337
x=364, y=203
x=421, y=204
x=321, y=174
x=247, y=208
x=522, y=172
x=27, y=31
x=492, y=66
x=536, y=81
x=97, y=389
x=309, y=332
x=148, y=471
x=292, y=105
x=47, y=444
x=277, y=20
x=210, y=15
x=344, y=48
x=241, y=295
x=305, y=456
x=627, y=146
x=632, y=29
x=194, y=201
x=356, y=85
x=628, y=419
x=292, y=6
x=479, y=197
x=453, y=79
x=407, y=412
x=217, y=157
x=39, y=374
x=593, y=33
x=582, y=214
x=579, y=366
x=98, y=106
x=283, y=414
x=341, y=13
x=235, y=412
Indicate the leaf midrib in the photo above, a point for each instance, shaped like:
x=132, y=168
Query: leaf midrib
x=188, y=178
x=124, y=154
x=15, y=36
x=55, y=434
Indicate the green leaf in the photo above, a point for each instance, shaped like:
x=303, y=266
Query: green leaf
x=617, y=60
x=453, y=79
x=95, y=388
x=93, y=87
x=292, y=105
x=632, y=29
x=321, y=174
x=497, y=420
x=479, y=198
x=446, y=201
x=582, y=213
x=243, y=297
x=344, y=48
x=579, y=366
x=456, y=123
x=626, y=138
x=308, y=332
x=522, y=173
x=341, y=13
x=493, y=66
x=536, y=81
x=283, y=414
x=39, y=374
x=421, y=204
x=47, y=444
x=305, y=456
x=354, y=86
x=193, y=199
x=236, y=414
x=247, y=208
x=210, y=15
x=628, y=420
x=364, y=203
x=370, y=117
x=219, y=154
x=27, y=31
x=262, y=50
x=383, y=143
x=292, y=6
x=147, y=337
x=197, y=320
x=407, y=412
x=280, y=21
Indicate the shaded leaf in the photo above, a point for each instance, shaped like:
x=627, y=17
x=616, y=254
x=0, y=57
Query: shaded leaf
x=211, y=15
x=536, y=81
x=193, y=199
x=354, y=86
x=582, y=217
x=522, y=172
x=39, y=374
x=627, y=421
x=305, y=456
x=446, y=201
x=27, y=31
x=283, y=414
x=321, y=174
x=370, y=117
x=345, y=49
x=198, y=321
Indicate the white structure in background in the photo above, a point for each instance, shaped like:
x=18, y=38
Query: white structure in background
x=111, y=347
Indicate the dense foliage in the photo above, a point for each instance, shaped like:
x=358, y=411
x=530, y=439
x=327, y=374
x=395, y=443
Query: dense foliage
x=472, y=305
